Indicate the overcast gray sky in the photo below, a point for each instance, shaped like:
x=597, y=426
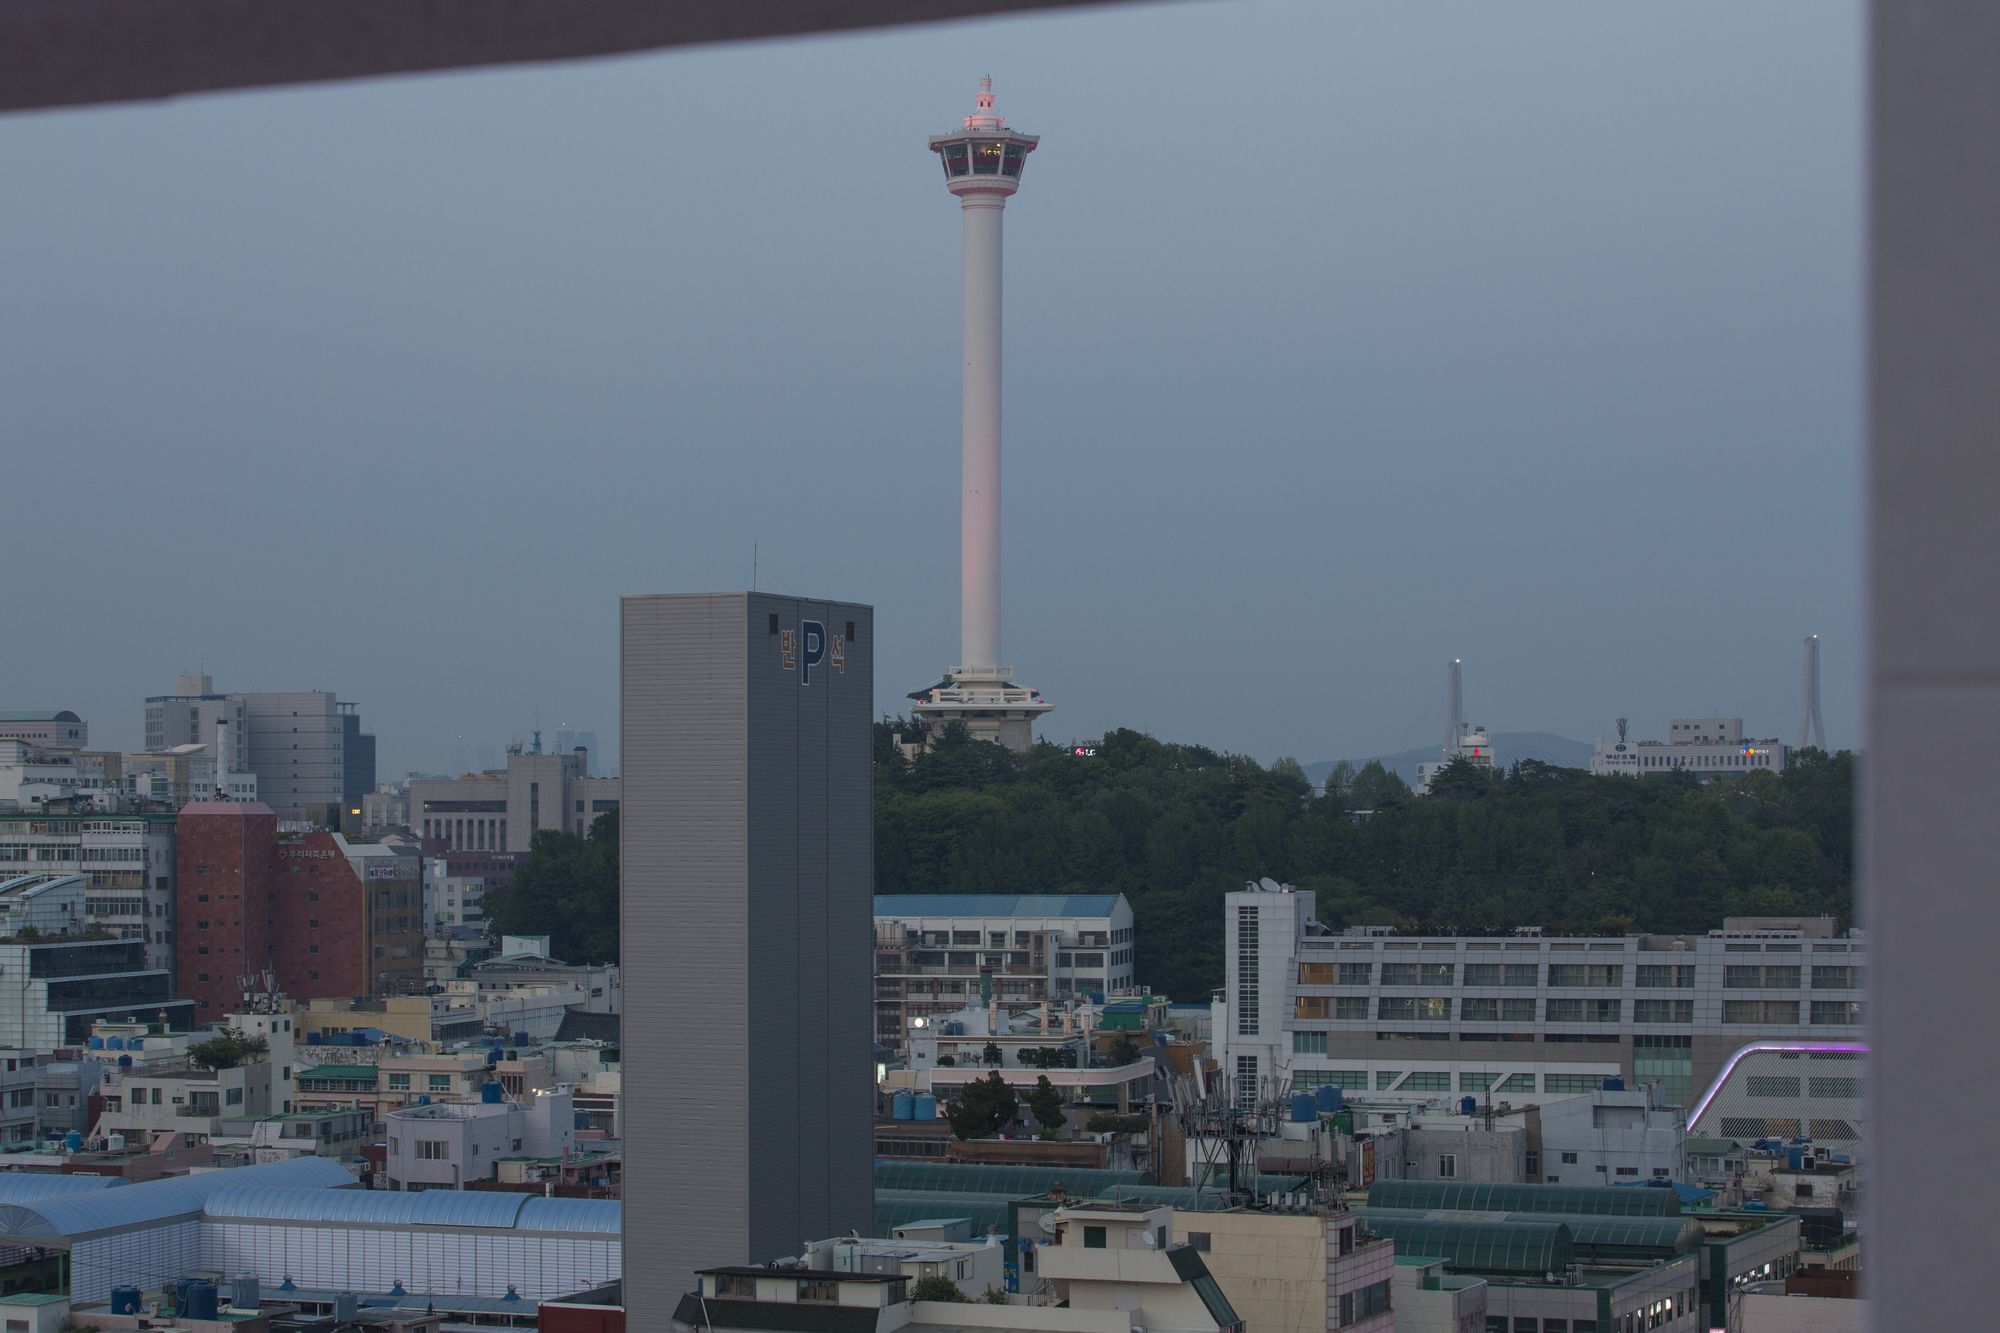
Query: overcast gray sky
x=1342, y=339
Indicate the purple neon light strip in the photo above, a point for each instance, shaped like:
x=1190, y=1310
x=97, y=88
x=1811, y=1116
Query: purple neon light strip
x=1758, y=1047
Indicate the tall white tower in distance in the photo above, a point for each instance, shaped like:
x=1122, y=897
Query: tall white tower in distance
x=1812, y=730
x=982, y=166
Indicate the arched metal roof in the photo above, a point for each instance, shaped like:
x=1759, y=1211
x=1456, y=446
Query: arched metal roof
x=587, y=1216
x=1491, y=1197
x=67, y=1216
x=1510, y=1248
x=440, y=1208
x=496, y=1210
x=28, y=1186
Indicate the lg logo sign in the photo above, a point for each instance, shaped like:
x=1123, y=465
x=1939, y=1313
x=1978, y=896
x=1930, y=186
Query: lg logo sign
x=809, y=646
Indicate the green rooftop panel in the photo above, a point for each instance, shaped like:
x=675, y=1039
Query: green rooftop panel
x=1488, y=1197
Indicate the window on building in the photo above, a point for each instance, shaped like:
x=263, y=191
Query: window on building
x=1198, y=1240
x=1353, y=1008
x=820, y=1290
x=736, y=1285
x=1308, y=1043
x=1569, y=1159
x=1356, y=974
x=433, y=1150
x=1447, y=1166
x=1093, y=1238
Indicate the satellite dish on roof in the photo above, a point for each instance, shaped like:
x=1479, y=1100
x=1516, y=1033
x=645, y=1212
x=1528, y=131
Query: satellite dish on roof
x=1269, y=885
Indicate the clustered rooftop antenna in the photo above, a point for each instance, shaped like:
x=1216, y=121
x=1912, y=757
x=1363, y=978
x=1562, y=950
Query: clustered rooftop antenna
x=1812, y=731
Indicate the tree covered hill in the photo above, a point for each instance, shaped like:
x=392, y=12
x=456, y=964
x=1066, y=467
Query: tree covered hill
x=1174, y=827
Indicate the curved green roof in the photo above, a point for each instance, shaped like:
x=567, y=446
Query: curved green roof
x=895, y=1208
x=1487, y=1197
x=1598, y=1238
x=1526, y=1249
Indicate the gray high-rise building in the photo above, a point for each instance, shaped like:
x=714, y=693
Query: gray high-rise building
x=747, y=874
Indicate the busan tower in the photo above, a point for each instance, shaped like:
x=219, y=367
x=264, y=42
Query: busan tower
x=982, y=166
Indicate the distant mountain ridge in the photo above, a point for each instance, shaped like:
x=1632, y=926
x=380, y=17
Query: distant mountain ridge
x=1509, y=747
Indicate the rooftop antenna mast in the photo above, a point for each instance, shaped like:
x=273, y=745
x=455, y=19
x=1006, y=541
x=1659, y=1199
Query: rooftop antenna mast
x=1812, y=731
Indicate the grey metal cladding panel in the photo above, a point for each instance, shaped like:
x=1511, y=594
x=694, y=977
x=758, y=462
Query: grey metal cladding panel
x=778, y=1097
x=684, y=832
x=811, y=744
x=851, y=938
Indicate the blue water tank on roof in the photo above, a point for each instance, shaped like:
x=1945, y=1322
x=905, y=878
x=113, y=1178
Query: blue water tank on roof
x=424, y=1099
x=489, y=1093
x=199, y=1301
x=1468, y=1106
x=73, y=1141
x=1615, y=1083
x=95, y=1043
x=1795, y=1157
x=925, y=1108
x=1305, y=1107
x=522, y=1039
x=902, y=1106
x=1329, y=1097
x=124, y=1062
x=114, y=1043
x=126, y=1300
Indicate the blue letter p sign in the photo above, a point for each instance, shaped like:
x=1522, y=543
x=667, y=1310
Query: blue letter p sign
x=814, y=635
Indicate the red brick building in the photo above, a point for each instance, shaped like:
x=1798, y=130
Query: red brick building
x=225, y=884
x=326, y=917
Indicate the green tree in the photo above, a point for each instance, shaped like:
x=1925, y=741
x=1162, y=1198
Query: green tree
x=1124, y=1051
x=991, y=1054
x=226, y=1050
x=1375, y=787
x=567, y=889
x=1046, y=1104
x=1462, y=780
x=984, y=1108
x=937, y=1287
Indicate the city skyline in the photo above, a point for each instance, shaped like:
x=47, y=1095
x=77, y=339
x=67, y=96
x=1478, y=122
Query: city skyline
x=1318, y=461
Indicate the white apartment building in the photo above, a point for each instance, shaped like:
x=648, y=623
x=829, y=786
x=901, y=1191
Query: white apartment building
x=937, y=952
x=1519, y=1018
x=1708, y=747
x=127, y=861
x=445, y=1144
x=1612, y=1137
x=153, y=1087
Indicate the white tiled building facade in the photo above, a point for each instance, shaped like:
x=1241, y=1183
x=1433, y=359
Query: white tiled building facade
x=931, y=950
x=1518, y=1018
